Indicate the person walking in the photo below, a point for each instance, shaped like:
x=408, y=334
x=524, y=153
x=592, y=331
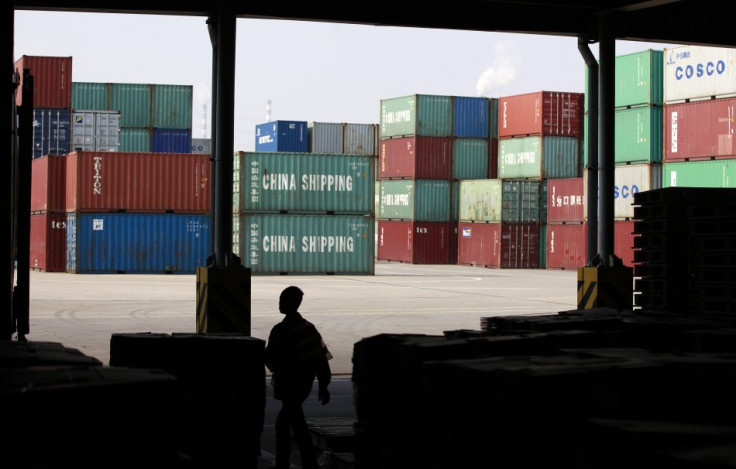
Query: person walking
x=296, y=355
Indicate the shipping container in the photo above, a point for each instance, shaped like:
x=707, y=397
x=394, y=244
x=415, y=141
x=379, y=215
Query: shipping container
x=95, y=130
x=90, y=96
x=492, y=158
x=326, y=137
x=542, y=246
x=638, y=135
x=566, y=246
x=470, y=158
x=521, y=200
x=171, y=106
x=137, y=182
x=307, y=244
x=415, y=158
x=135, y=140
x=623, y=241
x=201, y=146
x=417, y=200
x=540, y=113
x=470, y=117
x=714, y=173
x=282, y=136
x=52, y=81
x=630, y=179
x=565, y=200
x=700, y=130
x=51, y=132
x=143, y=243
x=698, y=72
x=418, y=115
x=304, y=182
x=48, y=242
x=48, y=184
x=480, y=200
x=639, y=79
x=493, y=118
x=499, y=245
x=540, y=157
x=361, y=139
x=453, y=243
x=455, y=202
x=414, y=242
x=134, y=101
x=171, y=141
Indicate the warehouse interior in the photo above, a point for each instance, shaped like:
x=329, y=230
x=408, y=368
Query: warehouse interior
x=622, y=364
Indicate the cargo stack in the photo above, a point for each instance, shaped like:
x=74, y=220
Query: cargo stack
x=154, y=118
x=566, y=246
x=699, y=117
x=134, y=212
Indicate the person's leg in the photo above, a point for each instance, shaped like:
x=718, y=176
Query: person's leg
x=303, y=438
x=283, y=437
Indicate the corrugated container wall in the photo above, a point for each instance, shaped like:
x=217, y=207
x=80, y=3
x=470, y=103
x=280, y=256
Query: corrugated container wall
x=566, y=246
x=304, y=182
x=493, y=118
x=539, y=157
x=623, y=245
x=416, y=115
x=172, y=106
x=138, y=182
x=470, y=158
x=171, y=141
x=48, y=242
x=700, y=130
x=133, y=100
x=307, y=244
x=48, y=184
x=493, y=158
x=698, y=72
x=521, y=200
x=135, y=140
x=95, y=131
x=638, y=135
x=418, y=200
x=500, y=245
x=136, y=242
x=630, y=179
x=52, y=81
x=326, y=137
x=91, y=96
x=639, y=79
x=361, y=139
x=470, y=117
x=480, y=200
x=415, y=158
x=565, y=200
x=282, y=136
x=415, y=242
x=51, y=131
x=540, y=113
x=202, y=146
x=714, y=173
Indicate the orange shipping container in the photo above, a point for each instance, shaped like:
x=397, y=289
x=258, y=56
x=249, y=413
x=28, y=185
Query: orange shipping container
x=52, y=81
x=48, y=183
x=138, y=182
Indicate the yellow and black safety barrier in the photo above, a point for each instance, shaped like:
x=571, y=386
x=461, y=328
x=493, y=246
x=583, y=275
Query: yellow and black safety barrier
x=604, y=286
x=223, y=299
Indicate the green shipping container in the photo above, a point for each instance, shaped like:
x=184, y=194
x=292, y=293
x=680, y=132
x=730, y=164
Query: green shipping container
x=172, y=106
x=540, y=157
x=713, y=173
x=135, y=140
x=470, y=158
x=304, y=183
x=134, y=103
x=493, y=118
x=416, y=115
x=307, y=244
x=543, y=246
x=521, y=201
x=415, y=199
x=90, y=96
x=638, y=135
x=639, y=79
x=480, y=200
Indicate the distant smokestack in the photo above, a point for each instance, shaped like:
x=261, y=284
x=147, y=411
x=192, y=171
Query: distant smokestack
x=268, y=111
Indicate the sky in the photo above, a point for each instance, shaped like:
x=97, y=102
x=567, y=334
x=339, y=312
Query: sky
x=309, y=71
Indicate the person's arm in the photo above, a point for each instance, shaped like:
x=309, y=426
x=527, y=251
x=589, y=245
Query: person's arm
x=324, y=375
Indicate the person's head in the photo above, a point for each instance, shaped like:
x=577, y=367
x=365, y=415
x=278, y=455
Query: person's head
x=290, y=300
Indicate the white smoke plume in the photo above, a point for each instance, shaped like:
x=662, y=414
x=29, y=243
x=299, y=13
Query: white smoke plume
x=501, y=73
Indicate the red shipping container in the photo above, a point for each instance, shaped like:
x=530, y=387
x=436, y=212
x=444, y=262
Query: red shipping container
x=623, y=241
x=52, y=81
x=493, y=158
x=414, y=242
x=566, y=246
x=565, y=199
x=48, y=183
x=453, y=243
x=48, y=242
x=501, y=245
x=700, y=130
x=415, y=158
x=540, y=113
x=138, y=182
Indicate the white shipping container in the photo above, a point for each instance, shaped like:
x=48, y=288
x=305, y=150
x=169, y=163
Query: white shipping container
x=202, y=146
x=697, y=72
x=628, y=180
x=95, y=131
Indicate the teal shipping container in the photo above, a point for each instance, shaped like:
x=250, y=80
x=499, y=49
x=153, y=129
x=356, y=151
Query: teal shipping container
x=480, y=200
x=133, y=100
x=303, y=183
x=135, y=140
x=415, y=199
x=493, y=118
x=521, y=201
x=638, y=135
x=639, y=79
x=172, y=106
x=90, y=96
x=418, y=115
x=713, y=173
x=470, y=158
x=541, y=157
x=307, y=244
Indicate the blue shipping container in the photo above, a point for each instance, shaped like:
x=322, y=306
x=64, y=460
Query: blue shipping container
x=143, y=243
x=282, y=136
x=51, y=131
x=470, y=117
x=171, y=141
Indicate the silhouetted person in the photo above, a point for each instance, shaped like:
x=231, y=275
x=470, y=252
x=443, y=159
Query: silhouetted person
x=296, y=355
